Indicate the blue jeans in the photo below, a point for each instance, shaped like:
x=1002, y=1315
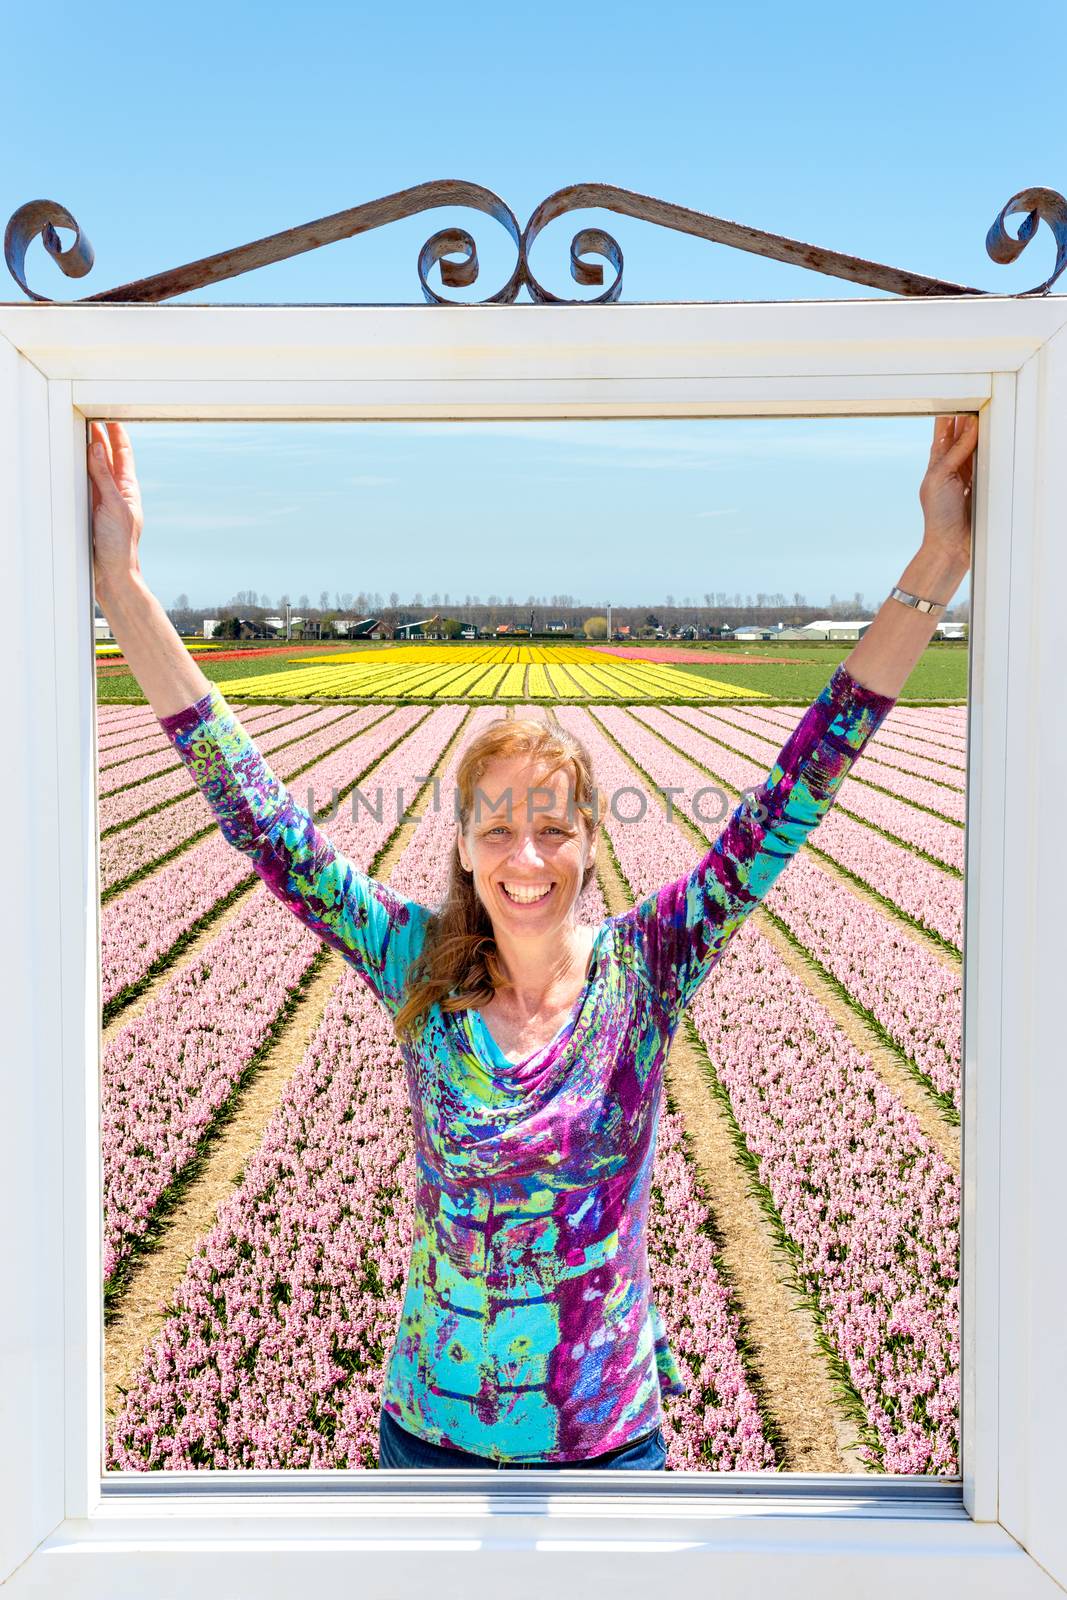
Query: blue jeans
x=399, y=1448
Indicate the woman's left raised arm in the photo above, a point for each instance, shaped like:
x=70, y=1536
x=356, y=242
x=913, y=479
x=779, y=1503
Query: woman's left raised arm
x=682, y=929
x=884, y=658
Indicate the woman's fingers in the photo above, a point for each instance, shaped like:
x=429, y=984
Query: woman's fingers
x=91, y=458
x=113, y=470
x=955, y=437
x=99, y=454
x=121, y=455
x=100, y=471
x=105, y=440
x=942, y=436
x=96, y=436
x=962, y=448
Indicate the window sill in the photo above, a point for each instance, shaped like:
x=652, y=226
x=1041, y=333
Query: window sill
x=277, y=1539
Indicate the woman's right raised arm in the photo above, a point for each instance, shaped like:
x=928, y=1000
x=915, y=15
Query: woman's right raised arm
x=378, y=931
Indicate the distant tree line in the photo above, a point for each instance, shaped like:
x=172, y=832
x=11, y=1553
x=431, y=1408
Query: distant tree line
x=712, y=610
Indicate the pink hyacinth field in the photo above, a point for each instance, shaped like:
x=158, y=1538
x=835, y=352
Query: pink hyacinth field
x=257, y=1156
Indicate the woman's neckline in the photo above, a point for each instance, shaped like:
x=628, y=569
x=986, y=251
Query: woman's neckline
x=563, y=1031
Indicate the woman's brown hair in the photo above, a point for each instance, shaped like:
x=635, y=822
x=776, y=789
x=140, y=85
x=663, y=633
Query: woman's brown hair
x=458, y=965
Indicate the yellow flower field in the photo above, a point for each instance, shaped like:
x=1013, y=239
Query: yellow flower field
x=479, y=672
x=190, y=644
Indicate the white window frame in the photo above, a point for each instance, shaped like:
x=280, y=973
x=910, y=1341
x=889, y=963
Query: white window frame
x=64, y=1530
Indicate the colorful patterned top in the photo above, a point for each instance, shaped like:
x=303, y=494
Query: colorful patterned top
x=528, y=1329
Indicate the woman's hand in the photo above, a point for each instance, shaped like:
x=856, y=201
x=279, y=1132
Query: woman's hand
x=945, y=494
x=117, y=515
x=158, y=659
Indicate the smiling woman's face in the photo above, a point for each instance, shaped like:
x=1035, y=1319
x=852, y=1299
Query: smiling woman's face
x=539, y=849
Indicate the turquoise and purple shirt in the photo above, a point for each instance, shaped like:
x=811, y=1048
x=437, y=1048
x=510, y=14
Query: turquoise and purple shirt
x=528, y=1329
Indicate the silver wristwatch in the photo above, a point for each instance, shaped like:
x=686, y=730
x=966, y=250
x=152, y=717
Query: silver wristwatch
x=914, y=601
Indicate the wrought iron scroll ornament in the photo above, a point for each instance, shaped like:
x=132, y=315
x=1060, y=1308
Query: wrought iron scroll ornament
x=43, y=217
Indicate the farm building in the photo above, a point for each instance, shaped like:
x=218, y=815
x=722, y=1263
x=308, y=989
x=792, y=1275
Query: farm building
x=423, y=629
x=366, y=628
x=835, y=628
x=248, y=627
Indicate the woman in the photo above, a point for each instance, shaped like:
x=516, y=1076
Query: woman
x=533, y=1046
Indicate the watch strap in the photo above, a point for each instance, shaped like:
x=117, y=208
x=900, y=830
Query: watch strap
x=914, y=601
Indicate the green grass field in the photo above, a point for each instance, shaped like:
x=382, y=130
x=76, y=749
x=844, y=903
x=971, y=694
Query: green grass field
x=940, y=674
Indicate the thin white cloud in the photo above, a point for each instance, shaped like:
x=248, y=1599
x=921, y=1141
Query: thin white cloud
x=233, y=439
x=647, y=444
x=201, y=521
x=650, y=443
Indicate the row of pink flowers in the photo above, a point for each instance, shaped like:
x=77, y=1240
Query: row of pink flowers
x=869, y=1204
x=930, y=897
x=137, y=847
x=109, y=713
x=125, y=806
x=937, y=838
x=114, y=719
x=153, y=754
x=112, y=738
x=915, y=995
x=937, y=788
x=878, y=758
x=118, y=744
x=889, y=745
x=274, y=1354
x=115, y=750
x=912, y=993
x=168, y=1071
x=139, y=927
x=947, y=724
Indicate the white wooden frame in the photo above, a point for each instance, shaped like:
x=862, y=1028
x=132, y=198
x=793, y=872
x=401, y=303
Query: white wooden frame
x=1003, y=1531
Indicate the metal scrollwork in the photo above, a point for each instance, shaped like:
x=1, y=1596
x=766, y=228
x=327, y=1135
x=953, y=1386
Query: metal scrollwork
x=581, y=196
x=1039, y=205
x=41, y=218
x=460, y=274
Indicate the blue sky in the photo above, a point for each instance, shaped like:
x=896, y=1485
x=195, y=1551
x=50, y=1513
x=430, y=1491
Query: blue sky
x=627, y=511
x=171, y=135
